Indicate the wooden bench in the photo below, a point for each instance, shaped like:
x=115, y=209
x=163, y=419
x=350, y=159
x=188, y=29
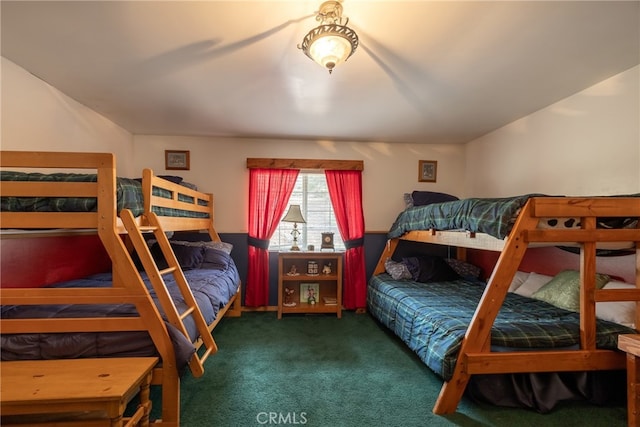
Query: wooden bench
x=631, y=345
x=82, y=392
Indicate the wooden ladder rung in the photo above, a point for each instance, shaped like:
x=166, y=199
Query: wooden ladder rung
x=186, y=313
x=205, y=355
x=175, y=318
x=167, y=270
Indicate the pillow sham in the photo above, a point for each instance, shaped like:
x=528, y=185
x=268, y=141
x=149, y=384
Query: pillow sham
x=408, y=201
x=533, y=282
x=189, y=185
x=518, y=279
x=564, y=289
x=215, y=259
x=397, y=270
x=429, y=268
x=464, y=269
x=621, y=312
x=423, y=198
x=188, y=257
x=172, y=178
x=221, y=246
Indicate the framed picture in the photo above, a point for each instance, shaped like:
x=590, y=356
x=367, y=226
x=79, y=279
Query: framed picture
x=176, y=160
x=310, y=292
x=427, y=170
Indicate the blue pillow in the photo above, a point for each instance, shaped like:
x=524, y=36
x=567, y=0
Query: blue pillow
x=429, y=268
x=423, y=198
x=215, y=259
x=189, y=257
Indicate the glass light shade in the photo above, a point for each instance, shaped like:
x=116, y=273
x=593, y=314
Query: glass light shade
x=330, y=44
x=330, y=50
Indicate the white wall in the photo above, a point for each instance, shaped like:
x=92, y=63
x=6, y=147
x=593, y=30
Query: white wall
x=35, y=116
x=38, y=117
x=218, y=166
x=586, y=144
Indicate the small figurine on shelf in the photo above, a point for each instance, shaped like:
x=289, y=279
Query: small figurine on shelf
x=288, y=302
x=293, y=271
x=326, y=269
x=312, y=268
x=311, y=295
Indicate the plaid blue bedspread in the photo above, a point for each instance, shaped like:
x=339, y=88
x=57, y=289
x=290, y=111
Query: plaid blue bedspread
x=494, y=216
x=128, y=192
x=433, y=318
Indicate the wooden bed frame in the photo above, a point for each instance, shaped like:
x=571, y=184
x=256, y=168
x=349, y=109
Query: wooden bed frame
x=119, y=236
x=475, y=355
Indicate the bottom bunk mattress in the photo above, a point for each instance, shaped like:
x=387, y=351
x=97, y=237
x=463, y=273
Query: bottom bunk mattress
x=432, y=320
x=212, y=289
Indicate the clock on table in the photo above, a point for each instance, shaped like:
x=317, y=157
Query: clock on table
x=327, y=241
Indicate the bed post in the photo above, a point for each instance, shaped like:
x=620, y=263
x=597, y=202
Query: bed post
x=389, y=248
x=478, y=336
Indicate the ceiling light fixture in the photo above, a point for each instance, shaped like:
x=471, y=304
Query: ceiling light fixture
x=332, y=42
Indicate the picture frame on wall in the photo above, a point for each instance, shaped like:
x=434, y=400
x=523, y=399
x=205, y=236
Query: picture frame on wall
x=176, y=160
x=427, y=170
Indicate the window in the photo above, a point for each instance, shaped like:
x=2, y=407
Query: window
x=312, y=195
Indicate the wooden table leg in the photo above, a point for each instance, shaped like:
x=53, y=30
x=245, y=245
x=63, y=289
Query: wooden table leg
x=633, y=389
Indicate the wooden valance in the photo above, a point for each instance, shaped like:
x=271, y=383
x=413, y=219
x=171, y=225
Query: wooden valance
x=254, y=163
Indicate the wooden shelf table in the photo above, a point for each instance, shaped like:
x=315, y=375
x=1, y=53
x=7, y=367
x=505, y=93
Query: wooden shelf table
x=91, y=392
x=320, y=270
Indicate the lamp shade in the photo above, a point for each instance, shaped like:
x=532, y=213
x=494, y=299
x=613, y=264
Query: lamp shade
x=294, y=214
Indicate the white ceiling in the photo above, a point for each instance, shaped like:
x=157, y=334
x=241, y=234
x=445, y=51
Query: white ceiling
x=425, y=71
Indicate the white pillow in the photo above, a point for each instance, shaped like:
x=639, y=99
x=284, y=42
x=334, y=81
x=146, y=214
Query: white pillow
x=621, y=312
x=534, y=282
x=518, y=280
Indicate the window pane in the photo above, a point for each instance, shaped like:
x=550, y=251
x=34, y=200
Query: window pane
x=312, y=195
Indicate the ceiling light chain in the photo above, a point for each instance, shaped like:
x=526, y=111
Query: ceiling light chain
x=332, y=42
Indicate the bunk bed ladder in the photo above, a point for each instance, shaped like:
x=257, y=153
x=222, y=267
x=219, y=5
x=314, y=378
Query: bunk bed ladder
x=135, y=233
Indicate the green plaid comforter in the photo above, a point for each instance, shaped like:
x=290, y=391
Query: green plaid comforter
x=433, y=318
x=494, y=216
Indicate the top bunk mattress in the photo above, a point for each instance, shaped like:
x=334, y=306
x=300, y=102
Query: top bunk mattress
x=492, y=216
x=128, y=192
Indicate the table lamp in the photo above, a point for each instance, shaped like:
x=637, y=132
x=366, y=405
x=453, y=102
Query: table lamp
x=295, y=216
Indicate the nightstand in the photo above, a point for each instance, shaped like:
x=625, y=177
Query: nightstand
x=309, y=282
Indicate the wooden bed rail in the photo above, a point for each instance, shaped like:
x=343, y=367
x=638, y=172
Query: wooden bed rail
x=475, y=355
x=127, y=283
x=56, y=159
x=201, y=203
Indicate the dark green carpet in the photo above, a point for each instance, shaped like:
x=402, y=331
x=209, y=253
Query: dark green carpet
x=322, y=371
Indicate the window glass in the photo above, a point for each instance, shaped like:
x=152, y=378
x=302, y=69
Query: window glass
x=312, y=194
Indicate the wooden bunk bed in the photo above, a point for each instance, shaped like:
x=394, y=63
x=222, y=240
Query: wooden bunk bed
x=475, y=355
x=122, y=233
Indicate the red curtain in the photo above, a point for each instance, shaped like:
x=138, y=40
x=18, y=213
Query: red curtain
x=269, y=192
x=345, y=190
